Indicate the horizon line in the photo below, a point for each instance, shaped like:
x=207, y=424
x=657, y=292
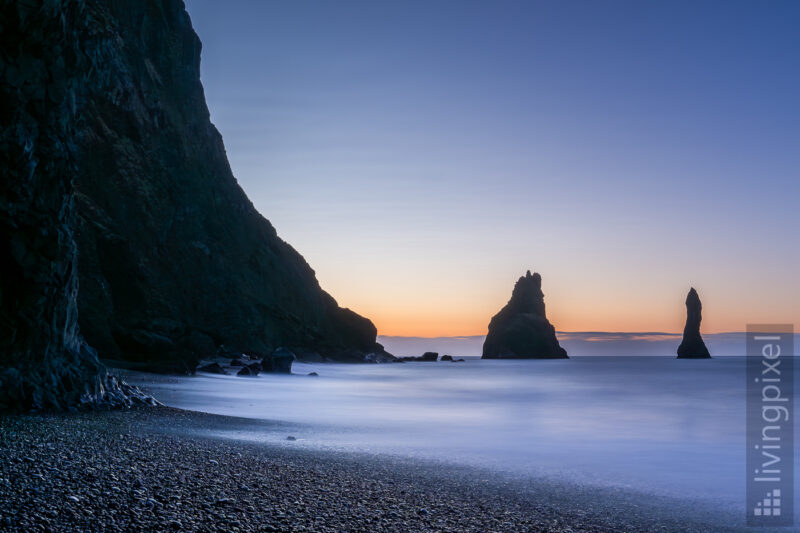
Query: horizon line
x=565, y=332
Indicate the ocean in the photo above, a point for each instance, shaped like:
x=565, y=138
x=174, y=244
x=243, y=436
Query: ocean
x=653, y=424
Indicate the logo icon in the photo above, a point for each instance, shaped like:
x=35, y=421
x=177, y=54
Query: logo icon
x=770, y=505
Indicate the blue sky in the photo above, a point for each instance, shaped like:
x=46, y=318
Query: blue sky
x=423, y=155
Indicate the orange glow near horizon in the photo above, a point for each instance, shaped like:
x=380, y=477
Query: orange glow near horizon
x=431, y=327
x=446, y=312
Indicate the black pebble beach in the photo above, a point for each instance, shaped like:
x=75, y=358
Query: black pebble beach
x=153, y=470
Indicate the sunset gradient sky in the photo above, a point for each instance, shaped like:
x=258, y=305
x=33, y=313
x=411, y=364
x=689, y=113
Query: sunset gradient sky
x=423, y=155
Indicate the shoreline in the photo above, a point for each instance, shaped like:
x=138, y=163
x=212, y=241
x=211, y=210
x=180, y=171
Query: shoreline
x=160, y=469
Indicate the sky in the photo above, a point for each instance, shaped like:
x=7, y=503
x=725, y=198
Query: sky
x=423, y=155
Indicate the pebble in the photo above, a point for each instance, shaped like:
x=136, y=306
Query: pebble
x=279, y=487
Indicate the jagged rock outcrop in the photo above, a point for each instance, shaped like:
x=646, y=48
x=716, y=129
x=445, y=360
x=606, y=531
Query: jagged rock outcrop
x=521, y=330
x=427, y=357
x=279, y=362
x=380, y=356
x=692, y=345
x=44, y=362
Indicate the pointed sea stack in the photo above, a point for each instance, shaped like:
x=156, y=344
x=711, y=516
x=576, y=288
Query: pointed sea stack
x=692, y=346
x=521, y=330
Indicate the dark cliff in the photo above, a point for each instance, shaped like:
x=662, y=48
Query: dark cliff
x=111, y=164
x=44, y=73
x=520, y=329
x=174, y=260
x=692, y=345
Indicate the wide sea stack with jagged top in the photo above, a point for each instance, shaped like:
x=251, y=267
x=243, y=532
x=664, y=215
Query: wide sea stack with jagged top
x=520, y=330
x=111, y=165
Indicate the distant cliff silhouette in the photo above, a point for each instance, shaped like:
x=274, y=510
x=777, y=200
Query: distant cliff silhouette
x=692, y=345
x=521, y=330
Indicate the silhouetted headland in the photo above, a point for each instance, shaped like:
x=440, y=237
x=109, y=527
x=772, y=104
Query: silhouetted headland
x=121, y=222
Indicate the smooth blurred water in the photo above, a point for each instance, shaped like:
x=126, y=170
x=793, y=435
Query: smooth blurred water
x=657, y=424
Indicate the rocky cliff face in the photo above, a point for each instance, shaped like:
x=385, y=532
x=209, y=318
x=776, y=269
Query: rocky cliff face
x=174, y=260
x=44, y=363
x=692, y=345
x=521, y=330
x=105, y=141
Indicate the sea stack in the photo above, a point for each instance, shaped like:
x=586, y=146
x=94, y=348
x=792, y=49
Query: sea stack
x=692, y=346
x=521, y=330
